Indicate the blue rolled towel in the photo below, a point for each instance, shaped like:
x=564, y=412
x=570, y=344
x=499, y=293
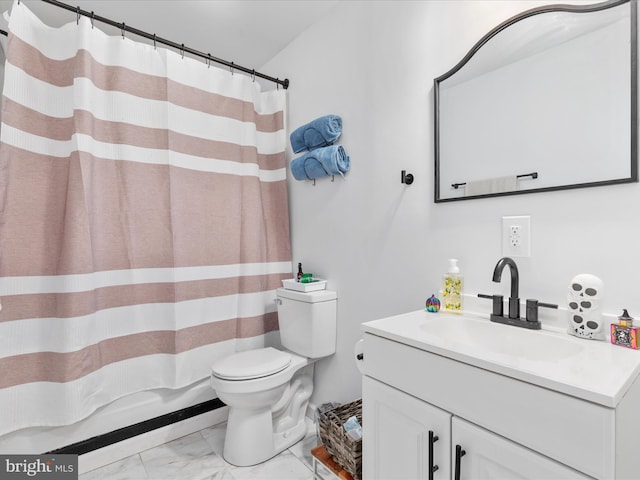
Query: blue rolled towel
x=321, y=132
x=322, y=162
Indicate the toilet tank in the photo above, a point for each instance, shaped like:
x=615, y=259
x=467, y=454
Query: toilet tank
x=308, y=321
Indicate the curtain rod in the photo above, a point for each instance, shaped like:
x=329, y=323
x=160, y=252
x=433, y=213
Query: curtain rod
x=181, y=47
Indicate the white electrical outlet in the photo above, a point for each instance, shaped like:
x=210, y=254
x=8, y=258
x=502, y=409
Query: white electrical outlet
x=516, y=236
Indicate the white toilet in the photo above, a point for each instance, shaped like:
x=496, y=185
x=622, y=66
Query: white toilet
x=268, y=390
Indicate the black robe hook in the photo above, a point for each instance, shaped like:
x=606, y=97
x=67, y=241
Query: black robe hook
x=406, y=178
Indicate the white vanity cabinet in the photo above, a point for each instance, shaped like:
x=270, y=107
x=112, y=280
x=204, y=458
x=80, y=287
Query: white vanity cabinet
x=413, y=440
x=511, y=421
x=490, y=456
x=406, y=437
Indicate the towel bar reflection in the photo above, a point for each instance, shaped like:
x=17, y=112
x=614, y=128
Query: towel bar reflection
x=532, y=175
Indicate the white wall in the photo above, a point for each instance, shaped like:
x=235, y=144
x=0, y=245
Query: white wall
x=383, y=245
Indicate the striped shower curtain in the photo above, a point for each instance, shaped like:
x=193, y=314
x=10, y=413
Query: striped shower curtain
x=143, y=219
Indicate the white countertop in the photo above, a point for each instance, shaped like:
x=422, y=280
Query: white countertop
x=593, y=370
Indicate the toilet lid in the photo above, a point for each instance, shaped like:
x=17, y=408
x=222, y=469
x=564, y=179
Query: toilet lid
x=251, y=364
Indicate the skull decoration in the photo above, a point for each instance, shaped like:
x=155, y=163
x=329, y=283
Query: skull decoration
x=584, y=299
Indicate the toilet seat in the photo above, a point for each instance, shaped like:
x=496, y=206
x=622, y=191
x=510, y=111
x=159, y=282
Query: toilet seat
x=251, y=364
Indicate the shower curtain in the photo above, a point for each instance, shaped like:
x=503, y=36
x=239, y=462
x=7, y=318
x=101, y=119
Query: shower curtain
x=144, y=223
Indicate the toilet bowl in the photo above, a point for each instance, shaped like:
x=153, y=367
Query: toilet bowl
x=268, y=389
x=258, y=402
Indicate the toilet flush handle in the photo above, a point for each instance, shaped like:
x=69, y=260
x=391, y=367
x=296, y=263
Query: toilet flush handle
x=359, y=353
x=277, y=301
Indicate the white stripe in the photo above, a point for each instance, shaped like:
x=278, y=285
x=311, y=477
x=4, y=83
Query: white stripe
x=34, y=143
x=120, y=152
x=63, y=43
x=122, y=107
x=89, y=281
x=72, y=334
x=21, y=406
x=26, y=90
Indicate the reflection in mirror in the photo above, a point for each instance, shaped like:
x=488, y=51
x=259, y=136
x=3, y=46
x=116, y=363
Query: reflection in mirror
x=545, y=101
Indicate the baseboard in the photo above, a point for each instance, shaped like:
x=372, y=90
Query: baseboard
x=123, y=443
x=120, y=444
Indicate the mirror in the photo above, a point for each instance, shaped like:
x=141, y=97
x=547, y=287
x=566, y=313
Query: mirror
x=545, y=101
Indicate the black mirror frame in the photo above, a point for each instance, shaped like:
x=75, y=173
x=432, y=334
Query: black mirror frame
x=521, y=16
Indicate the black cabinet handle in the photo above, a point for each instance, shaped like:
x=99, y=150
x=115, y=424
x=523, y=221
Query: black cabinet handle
x=459, y=454
x=432, y=468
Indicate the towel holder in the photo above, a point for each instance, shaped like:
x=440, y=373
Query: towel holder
x=333, y=179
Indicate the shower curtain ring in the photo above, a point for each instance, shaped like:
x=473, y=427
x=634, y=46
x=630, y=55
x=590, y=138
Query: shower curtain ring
x=231, y=68
x=253, y=75
x=182, y=50
x=208, y=60
x=78, y=15
x=154, y=41
x=92, y=15
x=277, y=84
x=122, y=29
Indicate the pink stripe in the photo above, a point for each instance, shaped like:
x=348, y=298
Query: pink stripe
x=61, y=73
x=65, y=367
x=67, y=305
x=88, y=214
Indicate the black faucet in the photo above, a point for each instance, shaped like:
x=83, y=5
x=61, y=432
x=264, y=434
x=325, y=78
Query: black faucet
x=531, y=321
x=514, y=300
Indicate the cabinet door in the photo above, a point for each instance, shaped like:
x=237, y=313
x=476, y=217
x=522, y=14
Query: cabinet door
x=403, y=437
x=478, y=454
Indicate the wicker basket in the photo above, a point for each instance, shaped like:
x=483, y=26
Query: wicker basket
x=346, y=451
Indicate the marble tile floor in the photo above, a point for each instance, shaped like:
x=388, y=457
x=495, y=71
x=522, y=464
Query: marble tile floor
x=198, y=456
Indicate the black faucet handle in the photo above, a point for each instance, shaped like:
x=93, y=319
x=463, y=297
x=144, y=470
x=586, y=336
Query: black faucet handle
x=548, y=305
x=532, y=309
x=498, y=303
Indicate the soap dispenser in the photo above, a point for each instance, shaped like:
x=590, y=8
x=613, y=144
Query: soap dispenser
x=452, y=288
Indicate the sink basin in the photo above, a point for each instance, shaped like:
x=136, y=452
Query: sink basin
x=474, y=334
x=589, y=369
